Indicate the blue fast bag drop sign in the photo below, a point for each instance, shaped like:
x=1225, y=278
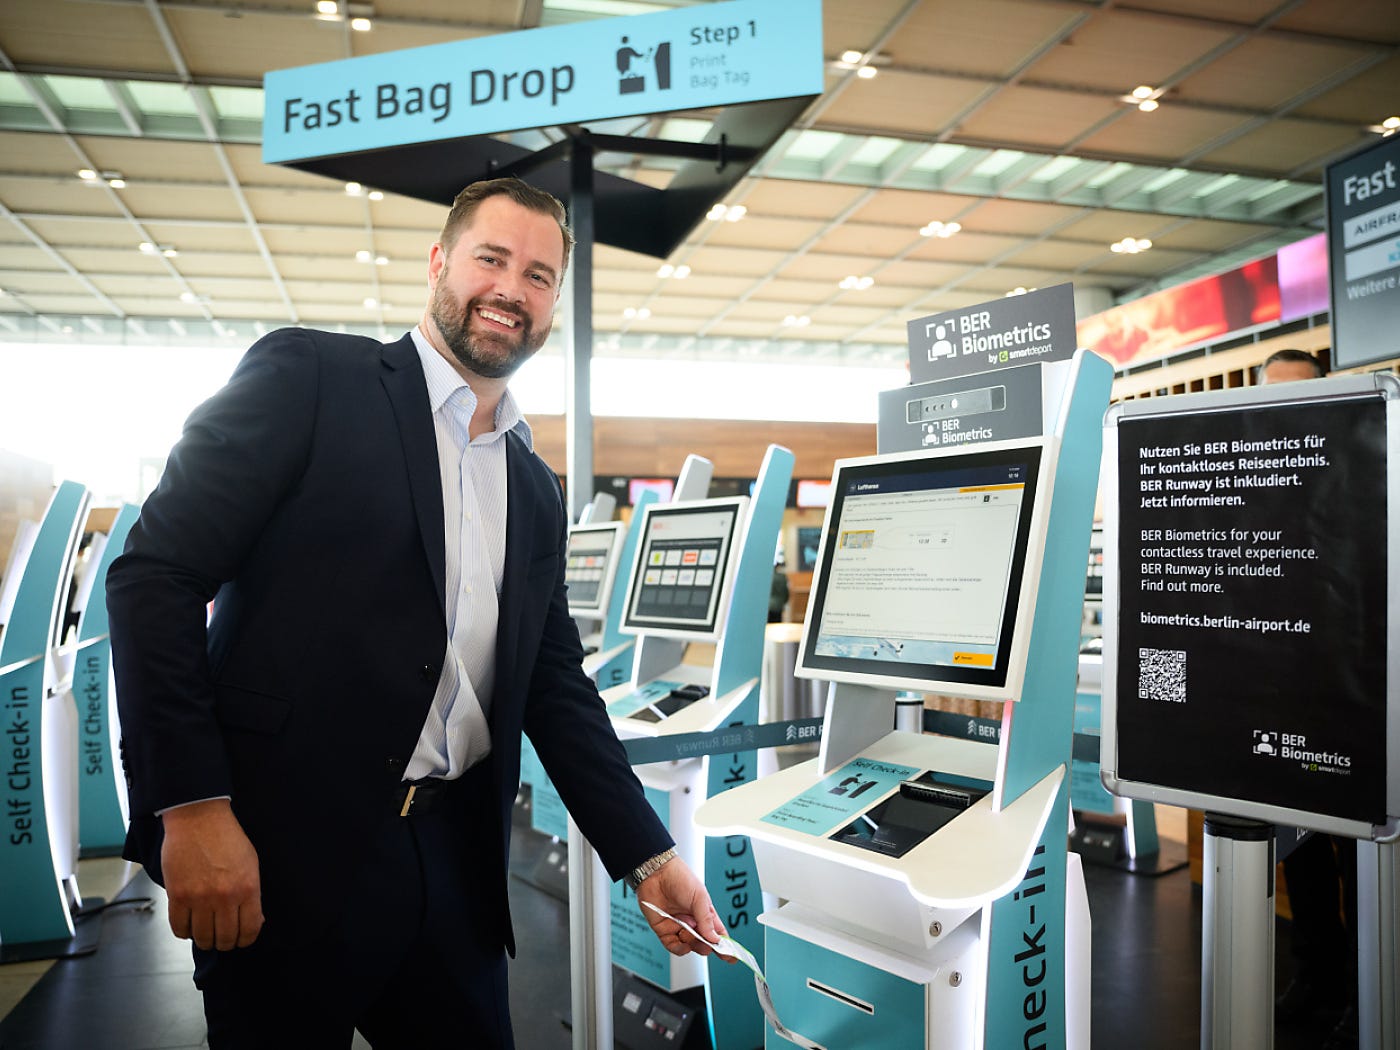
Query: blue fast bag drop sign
x=698, y=57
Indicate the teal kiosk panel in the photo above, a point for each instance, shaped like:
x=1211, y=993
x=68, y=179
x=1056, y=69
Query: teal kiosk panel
x=102, y=802
x=34, y=905
x=678, y=594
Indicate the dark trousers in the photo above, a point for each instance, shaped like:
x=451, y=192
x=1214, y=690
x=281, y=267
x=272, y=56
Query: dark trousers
x=1321, y=877
x=411, y=960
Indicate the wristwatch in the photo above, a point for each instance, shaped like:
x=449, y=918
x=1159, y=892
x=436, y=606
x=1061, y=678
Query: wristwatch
x=642, y=872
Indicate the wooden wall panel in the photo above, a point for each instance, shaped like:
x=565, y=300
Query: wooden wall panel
x=658, y=447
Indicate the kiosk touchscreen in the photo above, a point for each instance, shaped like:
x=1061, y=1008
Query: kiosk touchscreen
x=590, y=567
x=921, y=581
x=680, y=582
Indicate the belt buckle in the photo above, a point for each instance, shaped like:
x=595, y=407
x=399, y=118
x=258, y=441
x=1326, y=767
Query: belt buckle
x=408, y=799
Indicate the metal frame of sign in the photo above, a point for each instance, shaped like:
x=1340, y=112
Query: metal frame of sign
x=1367, y=389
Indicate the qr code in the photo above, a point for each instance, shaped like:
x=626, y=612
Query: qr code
x=1162, y=675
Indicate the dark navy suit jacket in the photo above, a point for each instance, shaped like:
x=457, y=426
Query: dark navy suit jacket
x=306, y=496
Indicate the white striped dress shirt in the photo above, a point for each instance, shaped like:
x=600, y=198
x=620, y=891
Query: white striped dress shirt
x=455, y=735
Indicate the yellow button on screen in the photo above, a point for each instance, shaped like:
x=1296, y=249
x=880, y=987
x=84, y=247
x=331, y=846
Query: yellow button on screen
x=973, y=659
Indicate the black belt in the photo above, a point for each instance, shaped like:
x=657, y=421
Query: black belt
x=418, y=796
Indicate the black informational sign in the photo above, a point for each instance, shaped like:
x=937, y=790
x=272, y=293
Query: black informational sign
x=1363, y=254
x=1252, y=555
x=1017, y=330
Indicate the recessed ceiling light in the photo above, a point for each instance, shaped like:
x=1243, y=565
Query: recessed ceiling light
x=665, y=270
x=376, y=195
x=371, y=302
x=854, y=283
x=354, y=189
x=940, y=229
x=118, y=183
x=796, y=321
x=639, y=314
x=363, y=256
x=1143, y=91
x=381, y=260
x=1147, y=105
x=867, y=72
x=327, y=7
x=730, y=213
x=146, y=248
x=169, y=252
x=851, y=57
x=87, y=174
x=1130, y=245
x=360, y=25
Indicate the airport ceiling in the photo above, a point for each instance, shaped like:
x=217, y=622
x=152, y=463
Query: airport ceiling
x=1014, y=120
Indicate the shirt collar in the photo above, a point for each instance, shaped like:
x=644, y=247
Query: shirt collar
x=444, y=381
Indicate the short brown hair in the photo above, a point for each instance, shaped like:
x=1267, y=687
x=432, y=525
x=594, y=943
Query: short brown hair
x=522, y=193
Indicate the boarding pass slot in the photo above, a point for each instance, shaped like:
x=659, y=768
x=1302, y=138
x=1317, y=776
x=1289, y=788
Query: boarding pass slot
x=841, y=997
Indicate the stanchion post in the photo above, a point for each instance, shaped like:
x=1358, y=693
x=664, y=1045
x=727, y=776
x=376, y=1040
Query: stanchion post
x=590, y=947
x=1378, y=912
x=1237, y=942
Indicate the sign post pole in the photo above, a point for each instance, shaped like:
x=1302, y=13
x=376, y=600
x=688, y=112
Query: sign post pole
x=1237, y=942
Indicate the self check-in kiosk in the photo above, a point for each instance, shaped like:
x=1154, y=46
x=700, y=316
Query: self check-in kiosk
x=701, y=576
x=930, y=901
x=38, y=750
x=1250, y=658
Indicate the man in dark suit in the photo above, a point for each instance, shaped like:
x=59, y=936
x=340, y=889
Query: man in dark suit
x=322, y=776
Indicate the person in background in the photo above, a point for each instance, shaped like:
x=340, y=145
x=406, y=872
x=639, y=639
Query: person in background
x=1321, y=871
x=322, y=775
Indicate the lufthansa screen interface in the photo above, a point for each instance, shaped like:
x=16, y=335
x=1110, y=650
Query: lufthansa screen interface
x=922, y=567
x=587, y=570
x=681, y=570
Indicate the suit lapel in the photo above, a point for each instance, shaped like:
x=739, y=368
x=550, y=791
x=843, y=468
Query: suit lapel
x=408, y=393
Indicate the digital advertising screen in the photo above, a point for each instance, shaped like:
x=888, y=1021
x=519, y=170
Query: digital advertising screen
x=682, y=574
x=920, y=578
x=590, y=566
x=663, y=487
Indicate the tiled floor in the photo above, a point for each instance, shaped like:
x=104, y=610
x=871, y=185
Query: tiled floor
x=135, y=993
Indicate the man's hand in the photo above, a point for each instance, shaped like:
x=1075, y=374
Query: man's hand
x=211, y=876
x=675, y=889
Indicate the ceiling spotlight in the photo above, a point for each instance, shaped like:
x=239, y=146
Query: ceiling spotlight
x=371, y=302
x=940, y=229
x=851, y=57
x=854, y=283
x=867, y=72
x=796, y=321
x=117, y=183
x=1142, y=91
x=189, y=297
x=169, y=252
x=723, y=213
x=146, y=248
x=633, y=313
x=327, y=9
x=353, y=189
x=1018, y=290
x=363, y=256
x=376, y=195
x=360, y=25
x=87, y=174
x=1147, y=105
x=1130, y=245
x=381, y=260
x=665, y=270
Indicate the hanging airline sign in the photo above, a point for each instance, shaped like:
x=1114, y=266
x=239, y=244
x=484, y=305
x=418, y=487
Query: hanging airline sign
x=1015, y=330
x=1247, y=648
x=691, y=58
x=1363, y=251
